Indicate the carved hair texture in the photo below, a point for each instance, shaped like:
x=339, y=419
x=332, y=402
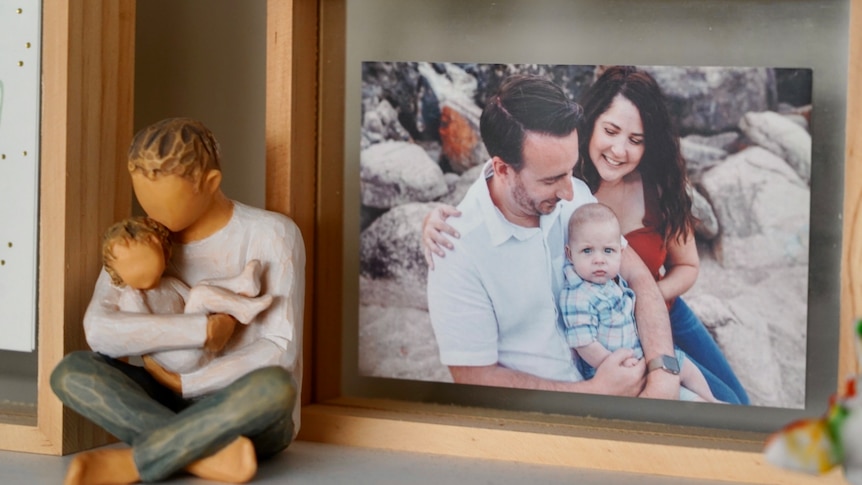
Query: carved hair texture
x=174, y=146
x=138, y=229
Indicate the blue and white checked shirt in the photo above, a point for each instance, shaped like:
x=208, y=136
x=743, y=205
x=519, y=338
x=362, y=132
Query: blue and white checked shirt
x=602, y=313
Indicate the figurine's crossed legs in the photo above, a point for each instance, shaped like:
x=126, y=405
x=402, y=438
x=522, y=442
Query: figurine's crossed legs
x=206, y=438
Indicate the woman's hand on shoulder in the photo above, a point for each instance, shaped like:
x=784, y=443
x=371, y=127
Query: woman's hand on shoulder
x=436, y=232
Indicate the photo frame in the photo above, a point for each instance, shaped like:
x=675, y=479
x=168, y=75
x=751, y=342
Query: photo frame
x=86, y=127
x=756, y=238
x=333, y=416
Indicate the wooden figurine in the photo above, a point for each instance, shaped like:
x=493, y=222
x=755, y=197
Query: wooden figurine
x=213, y=396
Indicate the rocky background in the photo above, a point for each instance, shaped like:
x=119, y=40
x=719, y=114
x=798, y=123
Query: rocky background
x=745, y=137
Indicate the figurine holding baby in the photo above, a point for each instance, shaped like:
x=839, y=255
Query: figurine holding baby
x=210, y=293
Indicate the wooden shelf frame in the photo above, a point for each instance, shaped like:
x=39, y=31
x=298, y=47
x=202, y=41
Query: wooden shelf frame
x=86, y=128
x=88, y=66
x=330, y=417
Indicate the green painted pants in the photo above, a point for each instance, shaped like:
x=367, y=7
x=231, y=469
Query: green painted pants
x=167, y=432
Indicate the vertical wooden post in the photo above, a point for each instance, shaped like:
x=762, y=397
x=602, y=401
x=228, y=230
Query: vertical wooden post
x=291, y=131
x=851, y=276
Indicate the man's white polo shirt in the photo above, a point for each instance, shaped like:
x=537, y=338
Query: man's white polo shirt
x=493, y=299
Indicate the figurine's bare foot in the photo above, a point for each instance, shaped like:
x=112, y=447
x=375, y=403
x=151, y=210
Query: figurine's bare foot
x=235, y=463
x=214, y=299
x=103, y=467
x=248, y=282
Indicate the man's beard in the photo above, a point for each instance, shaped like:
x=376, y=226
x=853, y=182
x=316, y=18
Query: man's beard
x=530, y=206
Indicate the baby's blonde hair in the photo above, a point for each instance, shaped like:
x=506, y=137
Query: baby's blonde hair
x=591, y=212
x=138, y=229
x=174, y=146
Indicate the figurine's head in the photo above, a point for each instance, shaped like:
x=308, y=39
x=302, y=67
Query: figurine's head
x=175, y=171
x=135, y=252
x=175, y=146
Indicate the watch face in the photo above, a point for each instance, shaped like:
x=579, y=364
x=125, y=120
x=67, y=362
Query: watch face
x=671, y=364
x=664, y=362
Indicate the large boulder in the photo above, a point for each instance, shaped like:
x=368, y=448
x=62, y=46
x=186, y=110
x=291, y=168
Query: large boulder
x=699, y=157
x=392, y=173
x=393, y=271
x=745, y=342
x=709, y=100
x=408, y=92
x=380, y=123
x=455, y=90
x=706, y=227
x=458, y=189
x=762, y=207
x=783, y=137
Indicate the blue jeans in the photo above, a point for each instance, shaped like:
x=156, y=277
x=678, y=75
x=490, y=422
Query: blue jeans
x=691, y=335
x=167, y=432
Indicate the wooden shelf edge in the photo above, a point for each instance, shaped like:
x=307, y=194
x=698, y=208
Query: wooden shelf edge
x=624, y=451
x=28, y=439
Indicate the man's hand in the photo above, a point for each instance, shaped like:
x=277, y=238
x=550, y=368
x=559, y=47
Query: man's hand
x=661, y=385
x=169, y=379
x=619, y=376
x=219, y=329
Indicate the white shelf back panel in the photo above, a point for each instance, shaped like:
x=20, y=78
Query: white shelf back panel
x=20, y=48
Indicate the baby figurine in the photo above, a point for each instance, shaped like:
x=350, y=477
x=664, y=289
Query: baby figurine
x=135, y=252
x=817, y=445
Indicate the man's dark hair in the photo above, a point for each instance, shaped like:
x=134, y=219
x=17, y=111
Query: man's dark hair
x=525, y=104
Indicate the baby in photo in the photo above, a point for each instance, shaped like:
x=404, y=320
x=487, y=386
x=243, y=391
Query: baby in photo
x=598, y=306
x=135, y=252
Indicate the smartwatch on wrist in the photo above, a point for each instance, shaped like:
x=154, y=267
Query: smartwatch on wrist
x=666, y=363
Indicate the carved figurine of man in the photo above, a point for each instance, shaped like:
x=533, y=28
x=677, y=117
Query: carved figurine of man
x=217, y=420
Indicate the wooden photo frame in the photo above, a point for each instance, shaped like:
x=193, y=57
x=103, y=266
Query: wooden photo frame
x=86, y=127
x=305, y=81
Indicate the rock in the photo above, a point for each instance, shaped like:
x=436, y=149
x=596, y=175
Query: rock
x=399, y=343
x=574, y=79
x=770, y=305
x=762, y=208
x=782, y=137
x=791, y=110
x=401, y=85
x=794, y=86
x=459, y=135
x=726, y=142
x=393, y=271
x=745, y=343
x=707, y=226
x=455, y=90
x=699, y=157
x=797, y=119
x=461, y=186
x=393, y=173
x=380, y=123
x=709, y=100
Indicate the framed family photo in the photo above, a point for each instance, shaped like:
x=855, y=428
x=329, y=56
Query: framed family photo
x=760, y=113
x=745, y=139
